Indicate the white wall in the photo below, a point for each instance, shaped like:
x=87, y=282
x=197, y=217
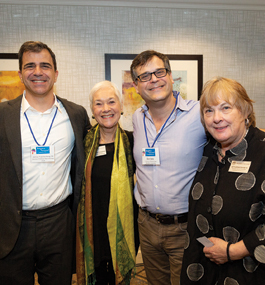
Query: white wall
x=232, y=42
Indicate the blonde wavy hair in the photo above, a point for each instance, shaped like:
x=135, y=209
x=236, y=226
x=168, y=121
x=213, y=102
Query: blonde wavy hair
x=230, y=91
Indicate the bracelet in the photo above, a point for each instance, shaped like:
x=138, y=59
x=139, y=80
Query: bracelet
x=227, y=251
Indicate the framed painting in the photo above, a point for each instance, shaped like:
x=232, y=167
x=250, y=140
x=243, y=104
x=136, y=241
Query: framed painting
x=10, y=84
x=187, y=73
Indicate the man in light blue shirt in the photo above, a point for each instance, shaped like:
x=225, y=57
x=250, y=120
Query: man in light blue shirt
x=168, y=146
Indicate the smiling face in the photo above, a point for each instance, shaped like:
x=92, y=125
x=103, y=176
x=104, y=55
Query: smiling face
x=106, y=108
x=156, y=89
x=225, y=123
x=38, y=74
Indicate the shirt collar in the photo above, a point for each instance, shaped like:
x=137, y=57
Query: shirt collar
x=182, y=104
x=26, y=106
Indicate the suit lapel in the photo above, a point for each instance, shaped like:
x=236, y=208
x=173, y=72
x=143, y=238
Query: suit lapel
x=12, y=126
x=74, y=122
x=71, y=115
x=76, y=155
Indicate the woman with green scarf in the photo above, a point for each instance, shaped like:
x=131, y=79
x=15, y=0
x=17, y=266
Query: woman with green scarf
x=106, y=224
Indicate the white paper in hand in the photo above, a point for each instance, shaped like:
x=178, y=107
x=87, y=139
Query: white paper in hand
x=205, y=241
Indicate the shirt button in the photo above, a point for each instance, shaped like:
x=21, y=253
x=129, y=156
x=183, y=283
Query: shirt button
x=40, y=194
x=43, y=173
x=158, y=208
x=156, y=186
x=209, y=209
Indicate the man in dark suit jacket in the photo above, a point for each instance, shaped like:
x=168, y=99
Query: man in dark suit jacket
x=41, y=168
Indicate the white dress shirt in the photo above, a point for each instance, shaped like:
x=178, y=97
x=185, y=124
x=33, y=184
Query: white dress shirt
x=46, y=183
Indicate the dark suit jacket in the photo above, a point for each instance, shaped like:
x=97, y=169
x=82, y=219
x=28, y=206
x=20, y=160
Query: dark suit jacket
x=11, y=166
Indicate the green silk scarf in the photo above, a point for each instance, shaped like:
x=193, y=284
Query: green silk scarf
x=120, y=217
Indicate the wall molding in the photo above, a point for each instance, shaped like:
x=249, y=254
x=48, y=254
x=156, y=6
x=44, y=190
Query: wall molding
x=178, y=4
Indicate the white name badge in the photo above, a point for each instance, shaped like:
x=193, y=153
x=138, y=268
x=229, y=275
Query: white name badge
x=42, y=153
x=150, y=156
x=240, y=166
x=101, y=150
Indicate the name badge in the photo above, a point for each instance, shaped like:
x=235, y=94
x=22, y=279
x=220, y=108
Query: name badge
x=101, y=150
x=150, y=156
x=42, y=153
x=240, y=166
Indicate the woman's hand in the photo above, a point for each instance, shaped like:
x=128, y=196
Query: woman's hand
x=217, y=252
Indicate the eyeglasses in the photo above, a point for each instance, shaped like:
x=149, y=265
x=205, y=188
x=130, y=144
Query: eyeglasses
x=161, y=72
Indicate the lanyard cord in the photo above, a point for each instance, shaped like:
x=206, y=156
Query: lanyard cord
x=158, y=135
x=48, y=131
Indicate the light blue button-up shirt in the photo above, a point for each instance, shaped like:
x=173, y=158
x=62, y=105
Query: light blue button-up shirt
x=165, y=188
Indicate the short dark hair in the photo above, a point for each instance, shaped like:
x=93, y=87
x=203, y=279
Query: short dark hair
x=32, y=46
x=145, y=56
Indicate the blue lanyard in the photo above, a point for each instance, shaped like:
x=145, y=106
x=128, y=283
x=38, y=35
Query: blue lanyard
x=158, y=135
x=48, y=131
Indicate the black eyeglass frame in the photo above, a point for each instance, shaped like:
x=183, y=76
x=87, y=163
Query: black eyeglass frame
x=125, y=60
x=151, y=73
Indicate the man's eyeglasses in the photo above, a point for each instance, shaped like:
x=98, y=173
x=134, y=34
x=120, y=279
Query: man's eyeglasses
x=161, y=72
